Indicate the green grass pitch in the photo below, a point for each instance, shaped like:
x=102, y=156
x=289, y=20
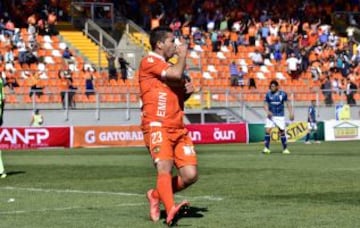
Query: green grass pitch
x=318, y=185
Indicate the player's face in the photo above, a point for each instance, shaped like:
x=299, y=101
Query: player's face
x=273, y=88
x=169, y=46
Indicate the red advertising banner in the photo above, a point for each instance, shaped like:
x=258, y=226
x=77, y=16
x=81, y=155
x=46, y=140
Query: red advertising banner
x=31, y=138
x=218, y=133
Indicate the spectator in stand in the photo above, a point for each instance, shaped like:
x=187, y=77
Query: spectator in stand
x=252, y=82
x=67, y=91
x=9, y=59
x=326, y=90
x=21, y=47
x=35, y=87
x=6, y=40
x=68, y=56
x=72, y=93
x=257, y=58
x=198, y=37
x=10, y=79
x=52, y=21
x=30, y=58
x=89, y=81
x=234, y=74
x=234, y=41
x=31, y=27
x=123, y=67
x=335, y=86
x=64, y=88
x=9, y=28
x=111, y=67
x=350, y=91
x=175, y=26
x=293, y=64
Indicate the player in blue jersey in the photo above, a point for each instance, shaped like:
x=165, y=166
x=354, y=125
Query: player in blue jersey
x=274, y=105
x=312, y=124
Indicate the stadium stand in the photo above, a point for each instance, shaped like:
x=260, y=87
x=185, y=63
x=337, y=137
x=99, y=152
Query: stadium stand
x=217, y=36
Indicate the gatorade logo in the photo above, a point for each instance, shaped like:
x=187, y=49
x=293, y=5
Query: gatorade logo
x=90, y=137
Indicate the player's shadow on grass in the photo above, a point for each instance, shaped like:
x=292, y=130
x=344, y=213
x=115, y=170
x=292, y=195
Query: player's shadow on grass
x=10, y=173
x=188, y=212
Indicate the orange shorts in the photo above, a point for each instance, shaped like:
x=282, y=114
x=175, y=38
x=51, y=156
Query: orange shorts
x=170, y=144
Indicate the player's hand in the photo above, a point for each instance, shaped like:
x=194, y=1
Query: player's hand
x=181, y=48
x=269, y=114
x=189, y=87
x=291, y=116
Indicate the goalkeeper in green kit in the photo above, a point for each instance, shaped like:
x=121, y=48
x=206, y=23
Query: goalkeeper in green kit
x=2, y=104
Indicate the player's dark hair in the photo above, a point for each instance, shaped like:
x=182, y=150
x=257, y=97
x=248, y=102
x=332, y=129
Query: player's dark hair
x=274, y=82
x=158, y=34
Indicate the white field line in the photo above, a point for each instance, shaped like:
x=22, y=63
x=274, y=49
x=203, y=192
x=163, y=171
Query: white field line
x=194, y=198
x=65, y=209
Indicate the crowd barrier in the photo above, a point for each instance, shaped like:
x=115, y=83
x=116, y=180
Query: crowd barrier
x=129, y=136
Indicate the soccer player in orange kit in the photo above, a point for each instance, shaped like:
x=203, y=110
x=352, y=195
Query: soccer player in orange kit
x=164, y=89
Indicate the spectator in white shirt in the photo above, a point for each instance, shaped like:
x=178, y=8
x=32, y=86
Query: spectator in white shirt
x=9, y=59
x=257, y=58
x=293, y=66
x=21, y=46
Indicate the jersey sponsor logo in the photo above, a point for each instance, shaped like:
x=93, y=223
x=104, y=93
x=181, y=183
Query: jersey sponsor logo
x=28, y=136
x=189, y=150
x=161, y=108
x=150, y=60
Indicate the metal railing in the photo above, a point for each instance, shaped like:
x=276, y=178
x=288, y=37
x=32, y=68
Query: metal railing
x=231, y=105
x=101, y=38
x=101, y=13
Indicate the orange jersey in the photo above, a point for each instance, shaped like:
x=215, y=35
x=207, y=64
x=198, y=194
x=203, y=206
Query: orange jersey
x=162, y=104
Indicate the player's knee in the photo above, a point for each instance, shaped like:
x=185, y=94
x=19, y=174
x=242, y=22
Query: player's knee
x=190, y=178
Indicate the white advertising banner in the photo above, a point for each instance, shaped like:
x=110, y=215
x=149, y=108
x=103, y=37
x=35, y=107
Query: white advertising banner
x=341, y=130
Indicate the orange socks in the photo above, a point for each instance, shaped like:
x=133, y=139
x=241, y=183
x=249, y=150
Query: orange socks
x=165, y=190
